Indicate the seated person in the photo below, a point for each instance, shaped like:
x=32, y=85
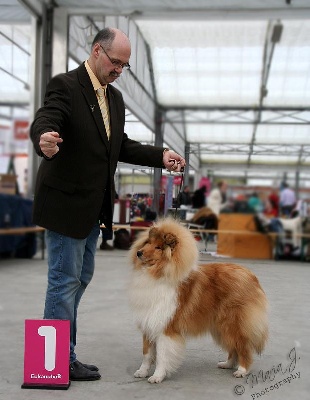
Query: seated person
x=255, y=203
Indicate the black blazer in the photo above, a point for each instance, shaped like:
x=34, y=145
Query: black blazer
x=76, y=187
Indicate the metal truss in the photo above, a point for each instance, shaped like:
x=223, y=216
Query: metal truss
x=260, y=149
x=239, y=115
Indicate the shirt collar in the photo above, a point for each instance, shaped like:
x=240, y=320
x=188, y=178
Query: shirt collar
x=93, y=78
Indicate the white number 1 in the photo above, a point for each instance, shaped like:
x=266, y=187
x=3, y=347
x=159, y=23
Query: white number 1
x=49, y=332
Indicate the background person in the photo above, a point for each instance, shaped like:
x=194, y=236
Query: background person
x=287, y=200
x=216, y=200
x=184, y=197
x=274, y=202
x=255, y=203
x=81, y=142
x=199, y=197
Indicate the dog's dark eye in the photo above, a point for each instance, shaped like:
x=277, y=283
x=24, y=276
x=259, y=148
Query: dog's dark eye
x=157, y=247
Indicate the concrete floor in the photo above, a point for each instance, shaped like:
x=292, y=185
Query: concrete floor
x=109, y=338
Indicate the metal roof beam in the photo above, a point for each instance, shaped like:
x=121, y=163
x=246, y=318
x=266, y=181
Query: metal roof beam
x=189, y=14
x=34, y=7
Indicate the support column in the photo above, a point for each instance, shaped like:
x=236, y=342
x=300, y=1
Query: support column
x=159, y=141
x=284, y=179
x=60, y=41
x=297, y=183
x=36, y=95
x=46, y=51
x=41, y=74
x=186, y=169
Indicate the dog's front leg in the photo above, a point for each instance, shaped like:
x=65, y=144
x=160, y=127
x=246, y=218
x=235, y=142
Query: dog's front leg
x=169, y=356
x=148, y=358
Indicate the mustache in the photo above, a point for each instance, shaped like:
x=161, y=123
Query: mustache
x=115, y=74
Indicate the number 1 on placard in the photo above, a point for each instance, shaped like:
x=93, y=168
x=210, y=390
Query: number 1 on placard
x=49, y=332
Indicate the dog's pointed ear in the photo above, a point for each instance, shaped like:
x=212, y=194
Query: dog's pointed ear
x=170, y=240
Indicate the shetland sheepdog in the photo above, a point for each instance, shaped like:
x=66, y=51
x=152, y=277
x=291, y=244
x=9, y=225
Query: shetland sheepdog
x=173, y=298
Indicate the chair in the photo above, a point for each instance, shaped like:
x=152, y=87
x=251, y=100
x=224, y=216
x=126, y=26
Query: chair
x=203, y=236
x=204, y=218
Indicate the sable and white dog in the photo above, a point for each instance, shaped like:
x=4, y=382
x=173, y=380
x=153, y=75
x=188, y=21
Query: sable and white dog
x=173, y=298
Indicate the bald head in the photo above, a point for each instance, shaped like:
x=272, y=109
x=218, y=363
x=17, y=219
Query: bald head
x=111, y=36
x=110, y=52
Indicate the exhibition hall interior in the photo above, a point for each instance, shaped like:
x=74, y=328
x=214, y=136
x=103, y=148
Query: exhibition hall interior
x=225, y=84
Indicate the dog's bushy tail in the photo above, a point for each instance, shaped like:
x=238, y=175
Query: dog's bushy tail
x=257, y=324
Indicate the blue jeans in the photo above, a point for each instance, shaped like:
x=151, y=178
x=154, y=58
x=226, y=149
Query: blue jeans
x=71, y=267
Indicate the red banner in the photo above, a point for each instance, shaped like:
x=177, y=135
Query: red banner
x=21, y=129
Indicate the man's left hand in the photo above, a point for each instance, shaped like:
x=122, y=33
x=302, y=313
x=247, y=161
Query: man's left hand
x=173, y=161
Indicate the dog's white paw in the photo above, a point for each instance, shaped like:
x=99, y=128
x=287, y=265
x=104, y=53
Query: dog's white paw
x=240, y=373
x=141, y=373
x=156, y=378
x=225, y=364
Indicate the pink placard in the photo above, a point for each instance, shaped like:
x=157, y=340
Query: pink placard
x=46, y=357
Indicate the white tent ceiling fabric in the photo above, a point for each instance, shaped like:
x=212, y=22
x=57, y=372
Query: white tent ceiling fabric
x=220, y=64
x=210, y=62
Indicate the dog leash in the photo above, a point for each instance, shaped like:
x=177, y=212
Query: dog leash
x=180, y=188
x=177, y=204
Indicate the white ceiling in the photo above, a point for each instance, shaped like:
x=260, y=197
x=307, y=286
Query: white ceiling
x=209, y=60
x=221, y=63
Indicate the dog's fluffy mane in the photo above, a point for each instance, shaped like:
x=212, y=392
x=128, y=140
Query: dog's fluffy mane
x=180, y=248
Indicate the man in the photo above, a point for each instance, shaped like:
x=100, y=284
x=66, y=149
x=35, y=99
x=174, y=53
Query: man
x=216, y=201
x=184, y=198
x=199, y=197
x=80, y=134
x=217, y=197
x=287, y=200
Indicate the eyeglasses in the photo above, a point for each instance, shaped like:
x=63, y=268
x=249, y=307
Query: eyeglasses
x=116, y=63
